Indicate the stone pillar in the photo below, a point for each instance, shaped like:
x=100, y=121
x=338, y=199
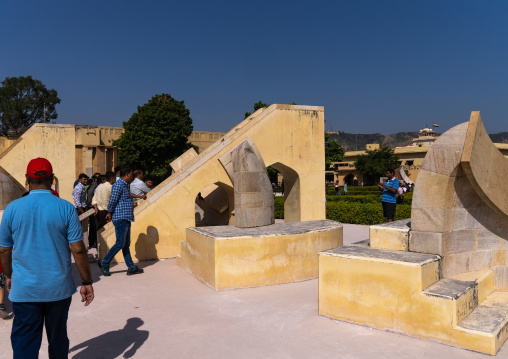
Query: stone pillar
x=99, y=163
x=88, y=160
x=254, y=204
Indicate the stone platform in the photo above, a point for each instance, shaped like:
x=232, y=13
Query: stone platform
x=391, y=235
x=404, y=291
x=225, y=257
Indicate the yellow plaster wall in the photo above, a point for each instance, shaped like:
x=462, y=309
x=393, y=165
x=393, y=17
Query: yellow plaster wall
x=54, y=142
x=240, y=262
x=383, y=237
x=289, y=136
x=388, y=294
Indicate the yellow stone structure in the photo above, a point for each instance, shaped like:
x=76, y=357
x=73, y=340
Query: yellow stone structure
x=288, y=137
x=226, y=257
x=444, y=274
x=204, y=139
x=71, y=149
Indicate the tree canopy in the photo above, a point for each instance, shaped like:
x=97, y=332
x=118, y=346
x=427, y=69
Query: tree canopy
x=333, y=152
x=376, y=162
x=257, y=106
x=155, y=135
x=22, y=102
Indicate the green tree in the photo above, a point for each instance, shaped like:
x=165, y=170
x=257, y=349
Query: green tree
x=333, y=152
x=22, y=103
x=257, y=106
x=375, y=163
x=155, y=135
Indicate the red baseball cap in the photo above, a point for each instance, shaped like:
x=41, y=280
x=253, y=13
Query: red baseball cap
x=39, y=168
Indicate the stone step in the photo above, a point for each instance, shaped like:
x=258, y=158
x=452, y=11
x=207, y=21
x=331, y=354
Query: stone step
x=373, y=286
x=484, y=278
x=403, y=291
x=463, y=291
x=462, y=295
x=391, y=235
x=488, y=323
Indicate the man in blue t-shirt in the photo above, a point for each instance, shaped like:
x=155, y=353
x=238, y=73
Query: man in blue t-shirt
x=38, y=233
x=389, y=198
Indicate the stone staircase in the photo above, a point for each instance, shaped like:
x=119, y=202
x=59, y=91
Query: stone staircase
x=405, y=291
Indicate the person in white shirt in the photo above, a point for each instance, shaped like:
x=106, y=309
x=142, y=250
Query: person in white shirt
x=400, y=191
x=139, y=189
x=101, y=198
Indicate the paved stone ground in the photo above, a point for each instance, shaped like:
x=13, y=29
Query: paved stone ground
x=172, y=315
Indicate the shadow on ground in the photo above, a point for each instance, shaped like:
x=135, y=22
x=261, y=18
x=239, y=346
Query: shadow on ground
x=112, y=344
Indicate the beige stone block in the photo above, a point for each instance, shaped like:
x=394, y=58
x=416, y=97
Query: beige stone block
x=459, y=241
x=501, y=277
x=503, y=243
x=426, y=242
x=491, y=219
x=249, y=201
x=455, y=264
x=428, y=220
x=433, y=191
x=248, y=182
x=499, y=258
x=459, y=218
x=264, y=216
x=226, y=257
x=465, y=195
x=488, y=240
x=393, y=235
x=481, y=259
x=443, y=160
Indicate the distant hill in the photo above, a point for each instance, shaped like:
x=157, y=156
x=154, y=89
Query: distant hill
x=501, y=137
x=354, y=142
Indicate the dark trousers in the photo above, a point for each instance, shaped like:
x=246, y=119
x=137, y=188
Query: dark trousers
x=101, y=219
x=26, y=333
x=123, y=243
x=92, y=232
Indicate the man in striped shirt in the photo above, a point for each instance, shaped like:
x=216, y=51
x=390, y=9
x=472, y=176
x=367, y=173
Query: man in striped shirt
x=389, y=199
x=121, y=212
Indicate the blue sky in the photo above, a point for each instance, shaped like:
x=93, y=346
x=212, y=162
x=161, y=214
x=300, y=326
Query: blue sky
x=377, y=66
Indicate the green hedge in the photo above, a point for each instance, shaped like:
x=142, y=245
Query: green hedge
x=279, y=207
x=363, y=213
x=347, y=210
x=355, y=198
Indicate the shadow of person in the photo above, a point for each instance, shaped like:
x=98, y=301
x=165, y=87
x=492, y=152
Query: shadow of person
x=146, y=249
x=112, y=344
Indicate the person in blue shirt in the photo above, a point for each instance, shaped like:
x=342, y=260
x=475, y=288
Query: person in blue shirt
x=121, y=212
x=389, y=198
x=37, y=236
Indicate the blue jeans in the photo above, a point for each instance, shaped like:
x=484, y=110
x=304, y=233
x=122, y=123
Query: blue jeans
x=26, y=335
x=123, y=242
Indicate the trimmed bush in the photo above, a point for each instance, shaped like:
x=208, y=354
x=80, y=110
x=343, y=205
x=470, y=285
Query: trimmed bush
x=355, y=198
x=363, y=213
x=351, y=209
x=279, y=207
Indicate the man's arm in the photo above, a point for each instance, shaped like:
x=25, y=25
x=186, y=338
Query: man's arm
x=113, y=202
x=76, y=197
x=81, y=258
x=382, y=185
x=136, y=196
x=6, y=258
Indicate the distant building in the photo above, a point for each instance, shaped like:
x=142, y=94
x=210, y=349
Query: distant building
x=426, y=137
x=411, y=158
x=71, y=149
x=203, y=139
